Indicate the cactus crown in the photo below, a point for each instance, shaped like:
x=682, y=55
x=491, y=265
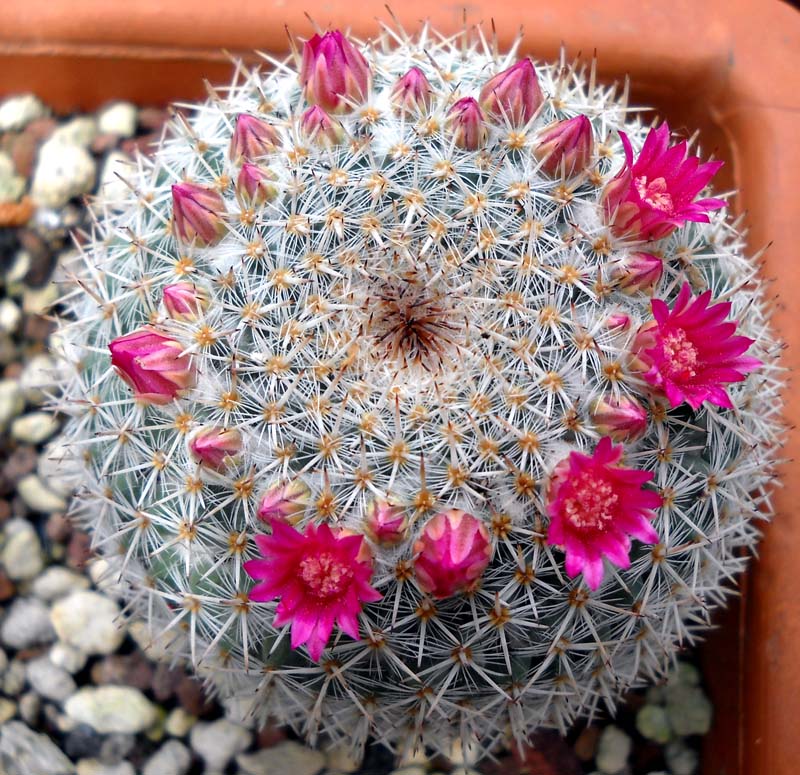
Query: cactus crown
x=386, y=303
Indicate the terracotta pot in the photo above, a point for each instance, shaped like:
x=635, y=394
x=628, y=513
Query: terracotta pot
x=730, y=68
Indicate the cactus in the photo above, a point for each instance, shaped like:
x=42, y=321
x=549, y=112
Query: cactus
x=416, y=394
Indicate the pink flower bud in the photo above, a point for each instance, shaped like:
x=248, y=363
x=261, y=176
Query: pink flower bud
x=623, y=418
x=513, y=94
x=153, y=364
x=451, y=553
x=639, y=272
x=385, y=524
x=466, y=122
x=197, y=213
x=566, y=145
x=255, y=185
x=216, y=447
x=252, y=138
x=333, y=72
x=618, y=321
x=320, y=128
x=184, y=301
x=284, y=501
x=412, y=93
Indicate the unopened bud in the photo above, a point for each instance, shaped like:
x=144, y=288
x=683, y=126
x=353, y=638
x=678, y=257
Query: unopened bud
x=514, y=94
x=216, y=447
x=255, y=185
x=334, y=72
x=197, y=213
x=639, y=272
x=623, y=418
x=466, y=123
x=412, y=93
x=565, y=145
x=386, y=523
x=318, y=127
x=184, y=301
x=252, y=138
x=284, y=501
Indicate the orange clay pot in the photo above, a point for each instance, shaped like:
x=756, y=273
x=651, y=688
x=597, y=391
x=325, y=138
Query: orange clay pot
x=730, y=68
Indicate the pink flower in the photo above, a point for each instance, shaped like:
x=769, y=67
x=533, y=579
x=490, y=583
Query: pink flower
x=690, y=352
x=333, y=72
x=216, y=447
x=514, y=94
x=465, y=120
x=197, y=213
x=566, y=145
x=252, y=138
x=184, y=301
x=622, y=419
x=319, y=579
x=152, y=364
x=318, y=127
x=652, y=196
x=639, y=272
x=386, y=523
x=285, y=501
x=451, y=553
x=412, y=92
x=595, y=505
x=255, y=185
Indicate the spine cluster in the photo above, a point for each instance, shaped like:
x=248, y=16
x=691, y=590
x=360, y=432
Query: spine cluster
x=418, y=392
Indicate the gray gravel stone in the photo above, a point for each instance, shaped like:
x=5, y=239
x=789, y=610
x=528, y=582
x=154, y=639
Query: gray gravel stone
x=41, y=371
x=217, y=742
x=62, y=172
x=68, y=657
x=27, y=624
x=8, y=710
x=18, y=111
x=29, y=706
x=285, y=757
x=34, y=427
x=78, y=132
x=38, y=497
x=10, y=313
x=688, y=709
x=21, y=554
x=173, y=758
x=653, y=723
x=57, y=581
x=112, y=709
x=24, y=752
x=118, y=119
x=681, y=759
x=96, y=767
x=11, y=401
x=613, y=750
x=50, y=681
x=179, y=722
x=89, y=622
x=14, y=678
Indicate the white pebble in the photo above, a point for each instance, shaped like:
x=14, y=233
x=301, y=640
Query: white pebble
x=71, y=659
x=112, y=709
x=57, y=581
x=34, y=427
x=118, y=119
x=613, y=750
x=50, y=681
x=11, y=401
x=18, y=111
x=88, y=621
x=62, y=172
x=173, y=758
x=112, y=188
x=21, y=554
x=10, y=313
x=217, y=742
x=95, y=767
x=79, y=132
x=38, y=497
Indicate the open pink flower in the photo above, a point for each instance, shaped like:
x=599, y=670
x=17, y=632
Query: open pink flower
x=595, y=505
x=153, y=364
x=653, y=195
x=452, y=553
x=333, y=72
x=691, y=352
x=319, y=579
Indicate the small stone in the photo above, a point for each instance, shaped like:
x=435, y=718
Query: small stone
x=112, y=188
x=78, y=132
x=8, y=710
x=38, y=497
x=29, y=707
x=18, y=111
x=126, y=669
x=681, y=760
x=88, y=621
x=15, y=274
x=10, y=314
x=157, y=646
x=58, y=527
x=41, y=371
x=414, y=769
x=35, y=427
x=112, y=709
x=18, y=465
x=96, y=767
x=179, y=723
x=118, y=119
x=192, y=697
x=684, y=673
x=50, y=681
x=21, y=554
x=284, y=757
x=613, y=750
x=38, y=301
x=688, y=709
x=173, y=758
x=586, y=744
x=3, y=661
x=27, y=624
x=79, y=549
x=63, y=171
x=11, y=401
x=653, y=723
x=341, y=759
x=56, y=582
x=82, y=741
x=68, y=657
x=106, y=578
x=118, y=745
x=24, y=752
x=14, y=677
x=12, y=186
x=217, y=742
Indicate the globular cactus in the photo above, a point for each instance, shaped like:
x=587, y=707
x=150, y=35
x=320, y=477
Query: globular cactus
x=417, y=394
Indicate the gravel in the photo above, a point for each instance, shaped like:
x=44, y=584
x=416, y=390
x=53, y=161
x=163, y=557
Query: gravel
x=21, y=554
x=27, y=624
x=217, y=742
x=88, y=621
x=112, y=709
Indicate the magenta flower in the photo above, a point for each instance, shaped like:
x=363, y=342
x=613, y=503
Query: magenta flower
x=153, y=364
x=216, y=447
x=655, y=194
x=252, y=138
x=465, y=120
x=690, y=351
x=567, y=145
x=621, y=419
x=412, y=92
x=386, y=523
x=197, y=213
x=285, y=501
x=184, y=301
x=318, y=127
x=514, y=94
x=319, y=579
x=595, y=505
x=255, y=185
x=639, y=272
x=333, y=72
x=452, y=553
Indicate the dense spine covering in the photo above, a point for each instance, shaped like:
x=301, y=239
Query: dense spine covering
x=382, y=309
